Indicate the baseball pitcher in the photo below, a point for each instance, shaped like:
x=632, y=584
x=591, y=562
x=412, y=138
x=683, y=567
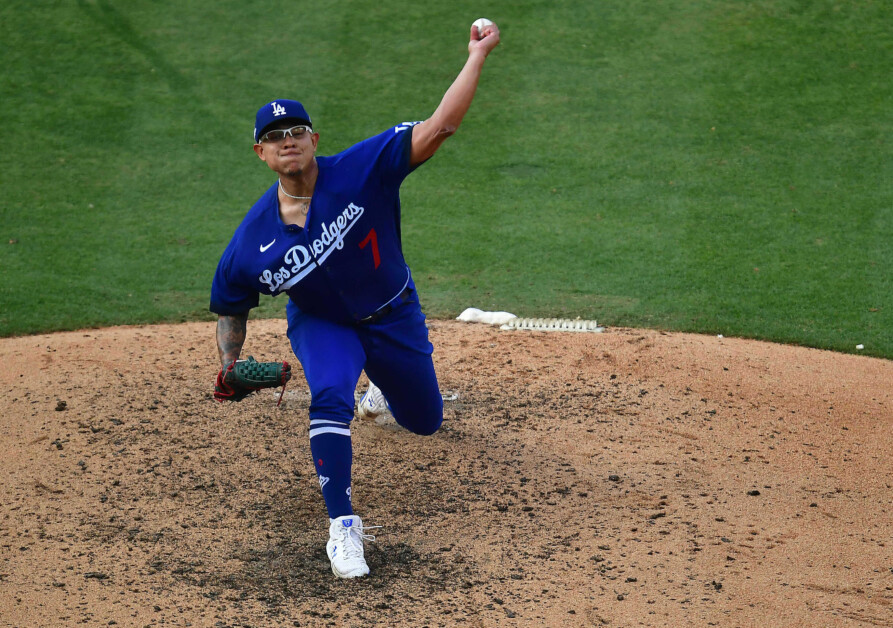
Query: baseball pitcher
x=327, y=234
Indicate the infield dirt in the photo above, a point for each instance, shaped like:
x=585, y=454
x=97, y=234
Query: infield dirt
x=630, y=478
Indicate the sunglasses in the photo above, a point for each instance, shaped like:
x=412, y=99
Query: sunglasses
x=277, y=135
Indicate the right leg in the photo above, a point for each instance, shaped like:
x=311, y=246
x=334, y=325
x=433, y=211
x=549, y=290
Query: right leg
x=332, y=358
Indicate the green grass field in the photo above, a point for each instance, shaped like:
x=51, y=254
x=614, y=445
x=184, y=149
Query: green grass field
x=710, y=166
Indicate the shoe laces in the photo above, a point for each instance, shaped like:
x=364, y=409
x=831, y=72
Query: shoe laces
x=352, y=539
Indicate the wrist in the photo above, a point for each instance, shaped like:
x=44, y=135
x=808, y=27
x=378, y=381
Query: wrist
x=477, y=55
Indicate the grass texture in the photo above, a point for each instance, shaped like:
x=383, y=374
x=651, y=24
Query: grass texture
x=696, y=165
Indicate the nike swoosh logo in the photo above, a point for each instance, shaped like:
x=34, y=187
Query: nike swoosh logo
x=263, y=248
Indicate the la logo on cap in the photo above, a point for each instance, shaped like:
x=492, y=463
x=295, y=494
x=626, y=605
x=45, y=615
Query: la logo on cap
x=278, y=110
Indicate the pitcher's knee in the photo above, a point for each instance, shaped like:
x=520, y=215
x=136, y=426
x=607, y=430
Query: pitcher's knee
x=331, y=403
x=419, y=411
x=429, y=428
x=422, y=421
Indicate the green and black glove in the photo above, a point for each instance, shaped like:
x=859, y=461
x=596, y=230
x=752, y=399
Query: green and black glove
x=243, y=377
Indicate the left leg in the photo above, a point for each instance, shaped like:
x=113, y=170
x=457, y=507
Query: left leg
x=398, y=361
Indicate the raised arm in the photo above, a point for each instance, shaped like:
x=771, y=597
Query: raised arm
x=430, y=134
x=231, y=332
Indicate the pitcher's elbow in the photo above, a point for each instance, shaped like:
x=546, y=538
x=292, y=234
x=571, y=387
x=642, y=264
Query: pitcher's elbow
x=446, y=130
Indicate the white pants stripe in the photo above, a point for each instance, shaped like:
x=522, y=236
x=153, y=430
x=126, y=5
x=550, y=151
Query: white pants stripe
x=329, y=430
x=318, y=422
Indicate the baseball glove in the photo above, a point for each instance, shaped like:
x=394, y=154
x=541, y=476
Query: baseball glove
x=243, y=377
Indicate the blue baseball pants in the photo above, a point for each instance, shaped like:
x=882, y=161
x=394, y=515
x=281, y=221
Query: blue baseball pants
x=395, y=353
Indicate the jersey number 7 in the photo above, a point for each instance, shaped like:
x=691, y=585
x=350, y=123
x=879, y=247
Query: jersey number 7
x=372, y=238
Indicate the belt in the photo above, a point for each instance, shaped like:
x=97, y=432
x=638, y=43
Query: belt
x=386, y=309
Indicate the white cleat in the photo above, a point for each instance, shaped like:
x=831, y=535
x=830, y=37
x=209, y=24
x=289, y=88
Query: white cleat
x=372, y=404
x=345, y=547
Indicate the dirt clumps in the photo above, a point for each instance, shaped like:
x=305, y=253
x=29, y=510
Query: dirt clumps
x=624, y=478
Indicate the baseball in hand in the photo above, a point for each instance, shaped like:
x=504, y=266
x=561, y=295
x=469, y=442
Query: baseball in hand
x=481, y=23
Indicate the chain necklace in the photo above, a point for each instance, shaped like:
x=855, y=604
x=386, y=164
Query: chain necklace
x=297, y=198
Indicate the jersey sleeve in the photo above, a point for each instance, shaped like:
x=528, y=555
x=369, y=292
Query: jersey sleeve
x=229, y=294
x=393, y=149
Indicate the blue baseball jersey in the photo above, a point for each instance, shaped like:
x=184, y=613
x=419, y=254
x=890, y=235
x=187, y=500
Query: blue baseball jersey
x=347, y=261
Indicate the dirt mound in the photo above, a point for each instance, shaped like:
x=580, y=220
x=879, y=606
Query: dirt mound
x=624, y=478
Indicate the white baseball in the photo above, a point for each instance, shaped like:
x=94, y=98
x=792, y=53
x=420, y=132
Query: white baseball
x=481, y=23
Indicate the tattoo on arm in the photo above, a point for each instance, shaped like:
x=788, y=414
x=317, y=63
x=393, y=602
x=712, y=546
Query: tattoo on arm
x=231, y=332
